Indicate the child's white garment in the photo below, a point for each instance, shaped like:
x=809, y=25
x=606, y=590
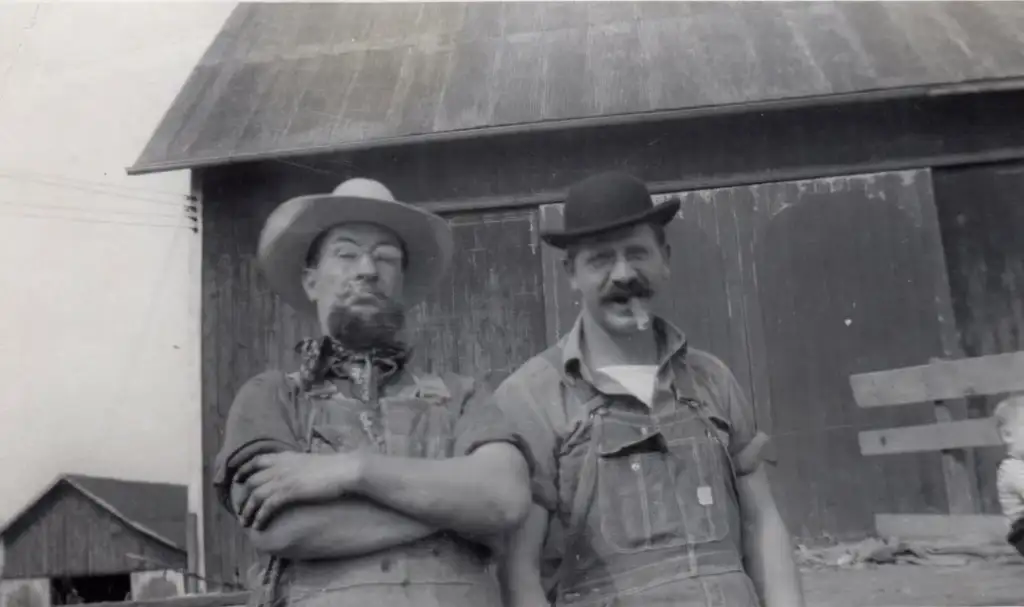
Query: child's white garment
x=1010, y=484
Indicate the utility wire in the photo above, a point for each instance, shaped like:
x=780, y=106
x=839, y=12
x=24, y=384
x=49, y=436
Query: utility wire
x=95, y=190
x=107, y=221
x=25, y=174
x=32, y=205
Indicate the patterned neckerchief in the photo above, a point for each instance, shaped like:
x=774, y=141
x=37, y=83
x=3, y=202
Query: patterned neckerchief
x=326, y=358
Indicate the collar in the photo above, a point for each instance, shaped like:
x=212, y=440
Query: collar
x=671, y=342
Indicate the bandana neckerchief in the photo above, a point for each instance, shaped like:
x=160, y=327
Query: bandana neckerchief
x=326, y=358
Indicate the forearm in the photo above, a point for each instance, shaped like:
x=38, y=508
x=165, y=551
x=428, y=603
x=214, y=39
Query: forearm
x=484, y=493
x=768, y=553
x=341, y=528
x=519, y=566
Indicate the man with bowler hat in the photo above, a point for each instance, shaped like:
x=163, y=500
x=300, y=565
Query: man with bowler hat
x=365, y=483
x=648, y=484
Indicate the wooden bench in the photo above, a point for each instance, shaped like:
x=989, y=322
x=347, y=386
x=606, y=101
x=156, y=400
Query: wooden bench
x=946, y=383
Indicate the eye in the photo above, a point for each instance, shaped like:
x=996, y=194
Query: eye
x=388, y=254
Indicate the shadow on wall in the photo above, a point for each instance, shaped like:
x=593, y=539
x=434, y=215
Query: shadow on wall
x=846, y=286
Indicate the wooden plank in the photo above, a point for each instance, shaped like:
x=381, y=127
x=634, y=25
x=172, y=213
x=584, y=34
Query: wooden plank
x=940, y=380
x=931, y=437
x=939, y=526
x=220, y=599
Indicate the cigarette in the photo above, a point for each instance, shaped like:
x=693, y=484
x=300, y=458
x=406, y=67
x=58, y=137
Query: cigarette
x=642, y=319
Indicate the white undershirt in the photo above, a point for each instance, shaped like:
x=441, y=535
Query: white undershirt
x=638, y=379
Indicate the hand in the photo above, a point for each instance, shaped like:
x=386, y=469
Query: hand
x=274, y=480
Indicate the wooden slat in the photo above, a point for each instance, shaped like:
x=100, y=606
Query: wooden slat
x=930, y=437
x=942, y=380
x=220, y=599
x=939, y=526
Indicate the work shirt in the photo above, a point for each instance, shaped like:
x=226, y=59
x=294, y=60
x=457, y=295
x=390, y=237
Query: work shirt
x=642, y=499
x=413, y=416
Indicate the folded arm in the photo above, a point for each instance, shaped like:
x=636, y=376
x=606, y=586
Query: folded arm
x=484, y=493
x=346, y=527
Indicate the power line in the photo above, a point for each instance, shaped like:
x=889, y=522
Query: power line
x=194, y=229
x=94, y=189
x=32, y=205
x=14, y=172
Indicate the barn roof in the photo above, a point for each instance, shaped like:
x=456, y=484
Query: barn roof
x=158, y=510
x=287, y=79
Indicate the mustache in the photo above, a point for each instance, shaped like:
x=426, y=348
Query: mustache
x=636, y=287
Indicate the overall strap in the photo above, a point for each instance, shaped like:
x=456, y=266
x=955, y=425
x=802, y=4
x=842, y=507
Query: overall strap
x=686, y=393
x=589, y=401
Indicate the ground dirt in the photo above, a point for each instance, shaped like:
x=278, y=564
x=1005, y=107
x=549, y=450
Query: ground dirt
x=891, y=573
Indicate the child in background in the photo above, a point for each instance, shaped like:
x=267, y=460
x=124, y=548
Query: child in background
x=1009, y=417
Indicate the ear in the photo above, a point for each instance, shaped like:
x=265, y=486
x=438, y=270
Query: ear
x=570, y=271
x=309, y=282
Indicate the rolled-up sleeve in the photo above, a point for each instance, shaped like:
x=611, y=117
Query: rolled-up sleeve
x=516, y=401
x=259, y=421
x=481, y=422
x=747, y=443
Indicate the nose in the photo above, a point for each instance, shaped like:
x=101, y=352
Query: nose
x=622, y=271
x=366, y=268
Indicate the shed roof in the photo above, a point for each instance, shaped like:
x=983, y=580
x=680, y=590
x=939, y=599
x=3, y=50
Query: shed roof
x=158, y=510
x=287, y=79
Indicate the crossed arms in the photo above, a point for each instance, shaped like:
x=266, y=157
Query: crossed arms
x=314, y=506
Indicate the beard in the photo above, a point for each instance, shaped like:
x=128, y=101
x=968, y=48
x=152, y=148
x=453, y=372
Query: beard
x=367, y=327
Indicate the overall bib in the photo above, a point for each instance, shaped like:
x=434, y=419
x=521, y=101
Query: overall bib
x=648, y=513
x=442, y=570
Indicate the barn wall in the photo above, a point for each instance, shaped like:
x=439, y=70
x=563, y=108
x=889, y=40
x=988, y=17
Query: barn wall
x=699, y=152
x=486, y=318
x=68, y=534
x=982, y=214
x=246, y=330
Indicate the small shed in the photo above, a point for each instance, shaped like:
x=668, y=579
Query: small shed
x=88, y=539
x=845, y=170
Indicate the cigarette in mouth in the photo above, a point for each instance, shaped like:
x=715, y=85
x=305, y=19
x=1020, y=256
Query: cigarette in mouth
x=642, y=319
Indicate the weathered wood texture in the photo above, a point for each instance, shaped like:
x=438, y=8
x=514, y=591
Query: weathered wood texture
x=964, y=527
x=528, y=170
x=962, y=434
x=796, y=286
x=213, y=599
x=68, y=534
x=941, y=380
x=486, y=318
x=981, y=215
x=293, y=78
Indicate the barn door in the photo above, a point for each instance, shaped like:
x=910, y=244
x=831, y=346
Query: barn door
x=796, y=286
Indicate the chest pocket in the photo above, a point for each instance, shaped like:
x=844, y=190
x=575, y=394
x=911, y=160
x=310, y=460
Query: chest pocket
x=699, y=463
x=419, y=420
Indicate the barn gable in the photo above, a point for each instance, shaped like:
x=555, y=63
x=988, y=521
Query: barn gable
x=76, y=527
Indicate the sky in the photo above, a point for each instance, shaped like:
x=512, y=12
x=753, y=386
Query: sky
x=99, y=272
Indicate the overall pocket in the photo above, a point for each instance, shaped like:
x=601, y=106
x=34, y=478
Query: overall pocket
x=699, y=468
x=636, y=499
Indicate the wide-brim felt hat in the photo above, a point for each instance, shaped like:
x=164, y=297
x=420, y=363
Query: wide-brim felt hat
x=605, y=202
x=293, y=226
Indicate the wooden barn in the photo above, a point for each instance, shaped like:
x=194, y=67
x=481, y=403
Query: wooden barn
x=88, y=540
x=850, y=176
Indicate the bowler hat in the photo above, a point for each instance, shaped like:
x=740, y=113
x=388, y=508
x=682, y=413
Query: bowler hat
x=605, y=202
x=294, y=225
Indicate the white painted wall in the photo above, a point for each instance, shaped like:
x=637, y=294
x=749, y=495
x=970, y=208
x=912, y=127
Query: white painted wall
x=99, y=273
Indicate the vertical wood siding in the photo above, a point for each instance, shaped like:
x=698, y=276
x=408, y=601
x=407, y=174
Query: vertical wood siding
x=486, y=318
x=796, y=286
x=68, y=534
x=981, y=216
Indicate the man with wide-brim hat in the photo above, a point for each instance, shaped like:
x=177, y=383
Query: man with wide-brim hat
x=367, y=483
x=648, y=484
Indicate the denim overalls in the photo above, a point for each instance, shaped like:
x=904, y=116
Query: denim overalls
x=443, y=570
x=648, y=513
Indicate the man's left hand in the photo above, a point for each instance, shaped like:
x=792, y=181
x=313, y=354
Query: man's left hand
x=274, y=480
